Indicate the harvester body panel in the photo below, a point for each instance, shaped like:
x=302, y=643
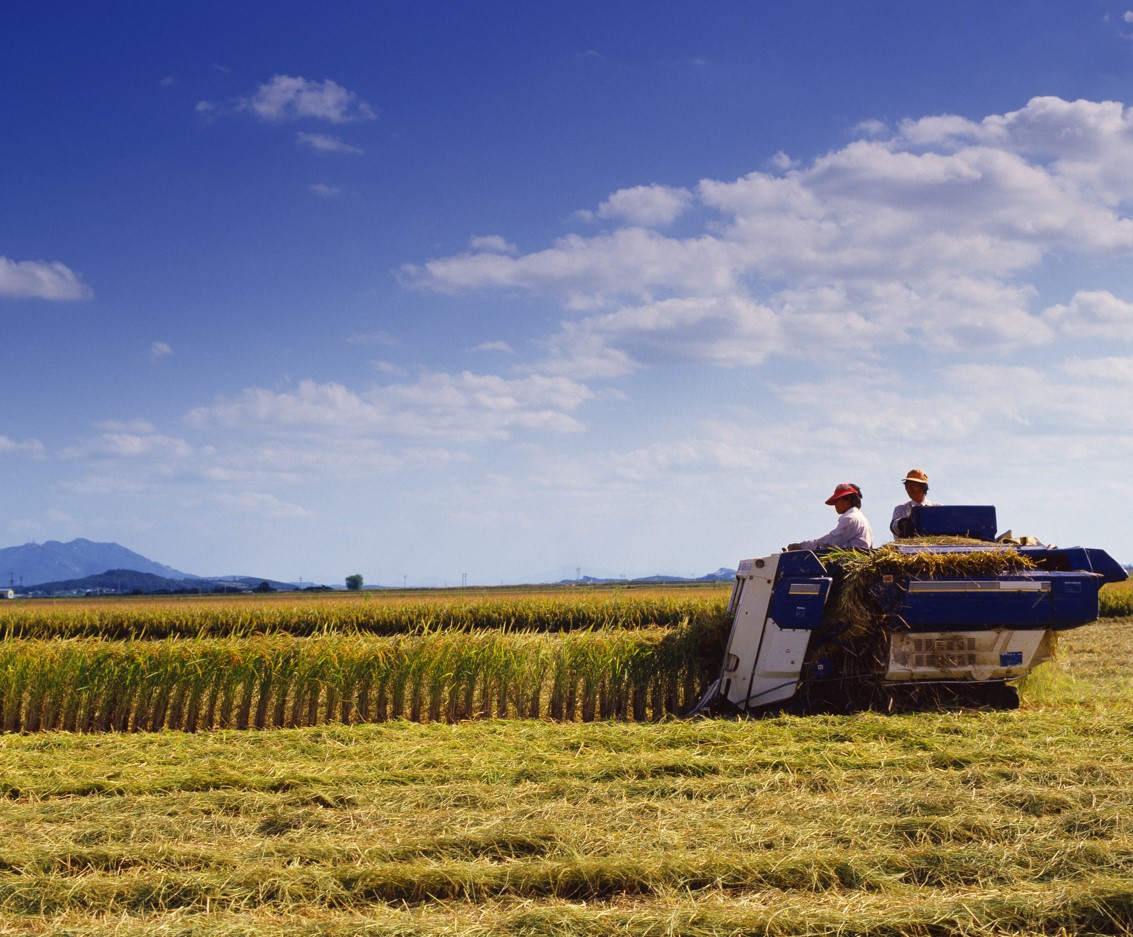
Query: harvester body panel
x=1028, y=599
x=764, y=657
x=962, y=656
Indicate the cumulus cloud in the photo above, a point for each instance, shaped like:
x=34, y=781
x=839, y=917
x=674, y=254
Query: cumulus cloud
x=974, y=406
x=722, y=331
x=1093, y=314
x=1110, y=369
x=457, y=407
x=925, y=235
x=38, y=279
x=645, y=205
x=628, y=261
x=289, y=97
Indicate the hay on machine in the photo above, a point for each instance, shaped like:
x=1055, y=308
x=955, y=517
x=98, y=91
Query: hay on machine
x=861, y=614
x=859, y=575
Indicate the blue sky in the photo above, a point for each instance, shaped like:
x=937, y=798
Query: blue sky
x=439, y=292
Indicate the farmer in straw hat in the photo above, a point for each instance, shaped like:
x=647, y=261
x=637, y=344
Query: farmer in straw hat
x=916, y=487
x=852, y=530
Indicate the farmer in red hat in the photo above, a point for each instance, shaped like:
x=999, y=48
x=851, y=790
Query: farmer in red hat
x=852, y=530
x=916, y=487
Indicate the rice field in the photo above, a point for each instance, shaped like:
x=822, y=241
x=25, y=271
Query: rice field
x=390, y=800
x=374, y=613
x=199, y=664
x=949, y=823
x=289, y=661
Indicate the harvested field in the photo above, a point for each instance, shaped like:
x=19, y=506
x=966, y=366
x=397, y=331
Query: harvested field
x=965, y=823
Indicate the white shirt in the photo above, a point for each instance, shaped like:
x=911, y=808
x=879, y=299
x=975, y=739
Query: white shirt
x=851, y=532
x=904, y=510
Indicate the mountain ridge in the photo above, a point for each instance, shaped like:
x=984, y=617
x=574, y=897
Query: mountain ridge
x=82, y=566
x=35, y=564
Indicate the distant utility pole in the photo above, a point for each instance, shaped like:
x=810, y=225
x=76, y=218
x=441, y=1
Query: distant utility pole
x=578, y=573
x=463, y=580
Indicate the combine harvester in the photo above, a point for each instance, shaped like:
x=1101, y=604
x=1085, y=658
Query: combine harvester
x=950, y=617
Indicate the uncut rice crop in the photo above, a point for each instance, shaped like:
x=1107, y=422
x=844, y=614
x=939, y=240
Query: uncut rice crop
x=91, y=685
x=1116, y=600
x=369, y=613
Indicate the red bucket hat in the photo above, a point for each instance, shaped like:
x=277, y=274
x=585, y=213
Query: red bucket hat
x=844, y=490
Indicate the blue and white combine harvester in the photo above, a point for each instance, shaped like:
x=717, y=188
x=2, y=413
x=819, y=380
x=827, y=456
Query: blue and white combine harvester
x=936, y=629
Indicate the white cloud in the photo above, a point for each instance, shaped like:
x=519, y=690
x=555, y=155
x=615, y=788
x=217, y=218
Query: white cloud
x=646, y=205
x=926, y=236
x=495, y=346
x=719, y=446
x=492, y=244
x=159, y=350
x=324, y=190
x=36, y=279
x=288, y=97
x=1109, y=370
x=629, y=261
x=459, y=407
x=388, y=367
x=260, y=504
x=130, y=445
x=1044, y=402
x=724, y=331
x=326, y=143
x=1093, y=314
x=32, y=447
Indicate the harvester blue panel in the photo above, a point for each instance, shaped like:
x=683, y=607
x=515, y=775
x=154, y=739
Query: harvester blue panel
x=800, y=563
x=798, y=601
x=1018, y=600
x=955, y=520
x=1083, y=559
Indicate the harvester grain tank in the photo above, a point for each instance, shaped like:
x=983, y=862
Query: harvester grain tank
x=954, y=615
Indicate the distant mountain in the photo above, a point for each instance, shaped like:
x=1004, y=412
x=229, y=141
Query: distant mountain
x=42, y=563
x=126, y=581
x=723, y=574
